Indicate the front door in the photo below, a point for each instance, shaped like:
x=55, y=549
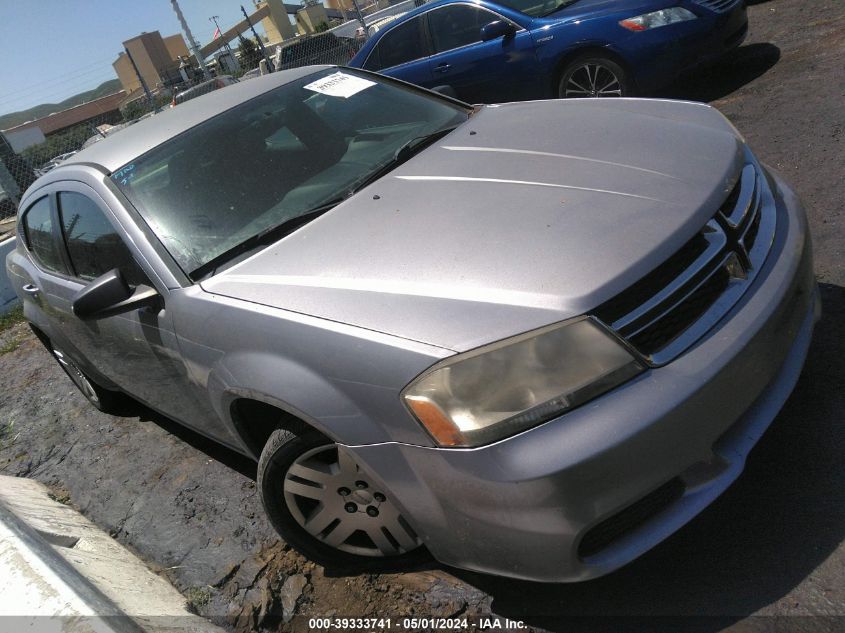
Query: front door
x=502, y=69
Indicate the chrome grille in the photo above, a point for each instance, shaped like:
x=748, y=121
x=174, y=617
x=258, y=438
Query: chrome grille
x=719, y=6
x=670, y=308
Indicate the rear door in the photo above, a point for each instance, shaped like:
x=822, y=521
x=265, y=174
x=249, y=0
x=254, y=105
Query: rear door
x=402, y=52
x=502, y=69
x=32, y=275
x=73, y=238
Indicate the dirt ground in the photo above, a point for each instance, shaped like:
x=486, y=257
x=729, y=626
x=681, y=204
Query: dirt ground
x=770, y=547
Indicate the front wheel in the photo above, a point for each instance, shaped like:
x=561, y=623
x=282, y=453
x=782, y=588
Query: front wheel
x=323, y=504
x=594, y=77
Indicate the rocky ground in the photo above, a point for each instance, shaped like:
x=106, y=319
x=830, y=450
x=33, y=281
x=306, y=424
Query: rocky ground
x=768, y=554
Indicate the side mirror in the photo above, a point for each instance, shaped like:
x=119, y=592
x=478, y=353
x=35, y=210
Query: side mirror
x=496, y=29
x=109, y=294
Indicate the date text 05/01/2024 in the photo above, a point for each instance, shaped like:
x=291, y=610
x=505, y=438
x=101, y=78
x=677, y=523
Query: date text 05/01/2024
x=482, y=623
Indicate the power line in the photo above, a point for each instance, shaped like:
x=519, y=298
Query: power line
x=48, y=91
x=102, y=62
x=51, y=86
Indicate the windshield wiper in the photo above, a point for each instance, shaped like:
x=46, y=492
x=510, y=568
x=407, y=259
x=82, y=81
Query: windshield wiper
x=267, y=236
x=403, y=154
x=275, y=233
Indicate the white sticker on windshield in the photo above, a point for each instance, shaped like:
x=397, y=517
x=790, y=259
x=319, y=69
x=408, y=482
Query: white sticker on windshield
x=340, y=85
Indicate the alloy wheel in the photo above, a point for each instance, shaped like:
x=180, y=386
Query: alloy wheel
x=334, y=501
x=592, y=80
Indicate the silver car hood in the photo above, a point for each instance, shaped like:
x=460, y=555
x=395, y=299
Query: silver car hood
x=529, y=213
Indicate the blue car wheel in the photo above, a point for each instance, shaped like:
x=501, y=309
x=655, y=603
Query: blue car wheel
x=592, y=76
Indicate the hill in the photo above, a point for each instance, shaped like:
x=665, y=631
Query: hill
x=16, y=118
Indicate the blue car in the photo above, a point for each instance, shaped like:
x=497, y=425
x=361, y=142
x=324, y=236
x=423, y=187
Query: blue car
x=487, y=52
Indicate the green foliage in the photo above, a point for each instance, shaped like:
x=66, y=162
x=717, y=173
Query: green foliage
x=321, y=27
x=67, y=141
x=7, y=322
x=198, y=597
x=11, y=318
x=249, y=53
x=10, y=346
x=7, y=434
x=140, y=107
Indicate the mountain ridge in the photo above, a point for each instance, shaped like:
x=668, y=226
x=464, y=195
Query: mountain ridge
x=13, y=119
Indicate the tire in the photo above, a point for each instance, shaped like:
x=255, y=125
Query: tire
x=309, y=492
x=101, y=398
x=594, y=76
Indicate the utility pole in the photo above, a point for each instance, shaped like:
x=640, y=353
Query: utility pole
x=270, y=67
x=360, y=15
x=141, y=79
x=191, y=41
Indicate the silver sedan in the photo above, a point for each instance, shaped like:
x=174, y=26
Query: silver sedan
x=531, y=339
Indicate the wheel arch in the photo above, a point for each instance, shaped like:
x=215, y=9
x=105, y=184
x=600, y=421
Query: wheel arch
x=258, y=392
x=255, y=418
x=593, y=48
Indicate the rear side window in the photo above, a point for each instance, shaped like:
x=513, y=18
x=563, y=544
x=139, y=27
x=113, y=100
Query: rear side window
x=402, y=44
x=92, y=242
x=38, y=228
x=456, y=26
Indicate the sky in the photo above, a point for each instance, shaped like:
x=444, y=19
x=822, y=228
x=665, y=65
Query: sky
x=52, y=49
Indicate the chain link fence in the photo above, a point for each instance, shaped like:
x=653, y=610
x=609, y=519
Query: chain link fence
x=31, y=149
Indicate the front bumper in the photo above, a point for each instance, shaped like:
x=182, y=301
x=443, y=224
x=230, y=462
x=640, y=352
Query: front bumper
x=521, y=507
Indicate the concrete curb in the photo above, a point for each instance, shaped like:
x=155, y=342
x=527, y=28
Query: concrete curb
x=61, y=572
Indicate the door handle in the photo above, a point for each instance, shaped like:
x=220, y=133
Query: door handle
x=30, y=289
x=442, y=68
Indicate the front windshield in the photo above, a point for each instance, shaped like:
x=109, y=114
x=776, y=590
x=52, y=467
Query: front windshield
x=275, y=158
x=536, y=8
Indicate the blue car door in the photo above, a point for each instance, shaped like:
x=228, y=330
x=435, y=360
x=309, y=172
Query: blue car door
x=500, y=69
x=403, y=52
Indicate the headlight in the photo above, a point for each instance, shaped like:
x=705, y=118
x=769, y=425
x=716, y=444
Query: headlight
x=664, y=17
x=501, y=389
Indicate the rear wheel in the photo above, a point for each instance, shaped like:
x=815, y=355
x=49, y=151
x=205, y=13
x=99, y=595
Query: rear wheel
x=103, y=399
x=596, y=77
x=323, y=504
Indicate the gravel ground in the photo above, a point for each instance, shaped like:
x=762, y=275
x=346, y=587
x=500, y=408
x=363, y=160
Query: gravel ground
x=770, y=546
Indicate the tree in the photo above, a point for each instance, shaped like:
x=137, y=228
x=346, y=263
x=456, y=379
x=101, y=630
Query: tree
x=248, y=53
x=141, y=106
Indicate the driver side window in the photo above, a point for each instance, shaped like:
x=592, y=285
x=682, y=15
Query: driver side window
x=456, y=26
x=92, y=243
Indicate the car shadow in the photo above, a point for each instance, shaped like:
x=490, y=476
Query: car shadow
x=770, y=530
x=230, y=458
x=715, y=81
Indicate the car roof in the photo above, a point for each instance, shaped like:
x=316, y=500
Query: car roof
x=437, y=3
x=119, y=149
x=433, y=5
